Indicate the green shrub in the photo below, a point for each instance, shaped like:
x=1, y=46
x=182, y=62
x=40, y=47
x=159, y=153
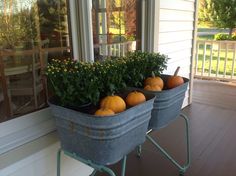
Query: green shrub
x=141, y=65
x=76, y=83
x=110, y=75
x=73, y=83
x=234, y=36
x=223, y=36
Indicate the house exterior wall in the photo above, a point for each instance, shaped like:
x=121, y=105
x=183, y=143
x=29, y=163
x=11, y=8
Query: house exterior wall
x=173, y=30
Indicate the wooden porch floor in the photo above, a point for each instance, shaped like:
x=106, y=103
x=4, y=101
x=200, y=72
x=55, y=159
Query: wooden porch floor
x=213, y=145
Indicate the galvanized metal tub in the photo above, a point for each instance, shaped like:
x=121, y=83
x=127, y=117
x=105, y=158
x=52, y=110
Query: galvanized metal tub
x=167, y=104
x=103, y=140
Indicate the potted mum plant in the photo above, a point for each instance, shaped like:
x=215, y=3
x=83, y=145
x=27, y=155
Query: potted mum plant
x=141, y=65
x=144, y=73
x=73, y=83
x=102, y=139
x=169, y=91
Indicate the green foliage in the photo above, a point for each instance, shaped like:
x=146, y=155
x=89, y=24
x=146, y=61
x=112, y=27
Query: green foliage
x=204, y=13
x=224, y=13
x=21, y=21
x=17, y=26
x=52, y=18
x=221, y=13
x=141, y=65
x=110, y=73
x=223, y=36
x=76, y=83
x=233, y=37
x=118, y=73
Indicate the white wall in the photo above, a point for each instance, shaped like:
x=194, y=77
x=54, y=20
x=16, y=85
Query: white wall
x=175, y=26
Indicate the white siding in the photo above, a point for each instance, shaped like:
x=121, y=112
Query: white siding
x=166, y=26
x=175, y=26
x=175, y=15
x=177, y=5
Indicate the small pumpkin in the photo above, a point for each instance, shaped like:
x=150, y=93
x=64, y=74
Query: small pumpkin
x=174, y=81
x=114, y=103
x=152, y=88
x=135, y=98
x=154, y=80
x=104, y=112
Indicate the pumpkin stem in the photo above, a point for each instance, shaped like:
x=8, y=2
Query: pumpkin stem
x=177, y=71
x=153, y=74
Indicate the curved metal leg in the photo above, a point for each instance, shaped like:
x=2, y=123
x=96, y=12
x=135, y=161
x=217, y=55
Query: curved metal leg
x=139, y=151
x=186, y=166
x=109, y=171
x=123, y=166
x=58, y=162
x=93, y=173
x=182, y=169
x=96, y=167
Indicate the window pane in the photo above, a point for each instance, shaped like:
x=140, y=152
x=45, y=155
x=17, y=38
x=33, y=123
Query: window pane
x=31, y=33
x=116, y=27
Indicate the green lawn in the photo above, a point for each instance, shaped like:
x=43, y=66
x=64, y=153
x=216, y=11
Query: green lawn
x=206, y=37
x=214, y=61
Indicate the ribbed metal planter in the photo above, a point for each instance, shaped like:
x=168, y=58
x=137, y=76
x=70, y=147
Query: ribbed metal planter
x=103, y=140
x=167, y=105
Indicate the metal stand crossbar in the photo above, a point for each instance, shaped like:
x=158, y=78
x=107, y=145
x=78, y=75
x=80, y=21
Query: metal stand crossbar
x=182, y=169
x=97, y=167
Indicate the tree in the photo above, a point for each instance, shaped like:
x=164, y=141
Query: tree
x=53, y=20
x=16, y=24
x=204, y=11
x=223, y=14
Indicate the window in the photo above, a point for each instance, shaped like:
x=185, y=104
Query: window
x=116, y=27
x=31, y=33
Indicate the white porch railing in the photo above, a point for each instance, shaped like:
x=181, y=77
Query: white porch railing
x=215, y=60
x=117, y=49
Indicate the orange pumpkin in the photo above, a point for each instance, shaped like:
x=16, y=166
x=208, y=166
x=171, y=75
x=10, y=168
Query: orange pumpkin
x=114, y=103
x=104, y=112
x=174, y=81
x=152, y=88
x=135, y=98
x=154, y=80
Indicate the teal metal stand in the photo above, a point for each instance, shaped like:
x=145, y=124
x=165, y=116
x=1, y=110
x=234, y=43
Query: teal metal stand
x=96, y=167
x=182, y=169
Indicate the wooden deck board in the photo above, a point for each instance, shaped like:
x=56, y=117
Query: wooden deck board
x=216, y=93
x=213, y=145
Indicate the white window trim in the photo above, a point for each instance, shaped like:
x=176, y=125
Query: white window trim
x=21, y=130
x=82, y=34
x=150, y=27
